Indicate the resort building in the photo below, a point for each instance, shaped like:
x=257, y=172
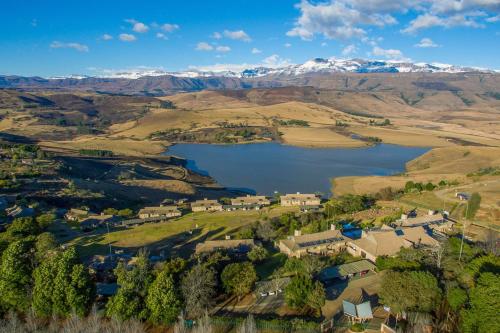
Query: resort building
x=251, y=200
x=422, y=220
x=162, y=211
x=95, y=221
x=373, y=244
x=234, y=245
x=323, y=243
x=19, y=211
x=300, y=199
x=206, y=205
x=75, y=214
x=346, y=271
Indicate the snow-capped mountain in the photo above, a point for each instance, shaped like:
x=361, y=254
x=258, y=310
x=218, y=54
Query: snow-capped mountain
x=317, y=65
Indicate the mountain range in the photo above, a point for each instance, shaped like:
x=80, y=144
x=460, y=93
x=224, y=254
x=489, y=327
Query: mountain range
x=318, y=72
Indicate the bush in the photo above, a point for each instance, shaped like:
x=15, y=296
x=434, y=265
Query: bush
x=357, y=327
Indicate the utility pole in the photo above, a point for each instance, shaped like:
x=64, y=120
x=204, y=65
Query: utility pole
x=463, y=231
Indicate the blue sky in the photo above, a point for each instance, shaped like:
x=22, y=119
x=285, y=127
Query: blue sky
x=50, y=38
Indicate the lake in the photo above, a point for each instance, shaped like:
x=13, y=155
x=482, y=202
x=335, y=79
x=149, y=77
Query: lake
x=264, y=168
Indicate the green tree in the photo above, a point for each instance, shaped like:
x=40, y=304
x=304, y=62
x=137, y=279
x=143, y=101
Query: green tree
x=258, y=253
x=129, y=301
x=62, y=286
x=482, y=315
x=126, y=213
x=238, y=278
x=45, y=242
x=302, y=293
x=45, y=220
x=162, y=300
x=410, y=291
x=23, y=227
x=198, y=290
x=15, y=275
x=474, y=204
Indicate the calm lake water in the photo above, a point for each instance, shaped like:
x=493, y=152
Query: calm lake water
x=267, y=167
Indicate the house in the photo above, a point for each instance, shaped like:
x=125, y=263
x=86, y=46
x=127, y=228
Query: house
x=230, y=208
x=75, y=215
x=251, y=200
x=162, y=211
x=234, y=245
x=462, y=196
x=324, y=243
x=20, y=211
x=300, y=199
x=344, y=271
x=206, y=205
x=373, y=244
x=95, y=221
x=430, y=218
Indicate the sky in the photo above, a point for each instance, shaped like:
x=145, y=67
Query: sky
x=54, y=38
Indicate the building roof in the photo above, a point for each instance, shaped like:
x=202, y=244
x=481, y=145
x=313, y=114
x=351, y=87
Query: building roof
x=389, y=242
x=346, y=269
x=159, y=210
x=250, y=200
x=212, y=245
x=78, y=212
x=420, y=220
x=310, y=240
x=299, y=196
x=205, y=203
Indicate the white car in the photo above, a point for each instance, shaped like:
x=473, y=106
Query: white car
x=272, y=293
x=263, y=294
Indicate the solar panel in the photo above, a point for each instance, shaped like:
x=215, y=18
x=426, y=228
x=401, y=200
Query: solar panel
x=349, y=309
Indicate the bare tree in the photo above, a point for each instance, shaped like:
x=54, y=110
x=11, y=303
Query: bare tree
x=198, y=289
x=490, y=242
x=180, y=325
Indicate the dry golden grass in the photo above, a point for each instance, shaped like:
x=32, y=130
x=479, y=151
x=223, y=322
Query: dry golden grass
x=117, y=145
x=317, y=137
x=175, y=186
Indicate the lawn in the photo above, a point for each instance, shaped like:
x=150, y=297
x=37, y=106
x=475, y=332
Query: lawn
x=175, y=237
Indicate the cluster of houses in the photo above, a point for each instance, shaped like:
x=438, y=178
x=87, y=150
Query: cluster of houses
x=406, y=232
x=164, y=212
x=385, y=241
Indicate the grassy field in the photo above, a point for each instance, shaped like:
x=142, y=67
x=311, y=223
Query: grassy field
x=175, y=237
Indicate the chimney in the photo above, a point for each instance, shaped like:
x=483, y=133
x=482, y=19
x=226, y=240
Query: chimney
x=297, y=233
x=431, y=212
x=404, y=217
x=228, y=237
x=332, y=226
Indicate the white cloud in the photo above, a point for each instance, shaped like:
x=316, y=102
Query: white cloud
x=237, y=35
x=161, y=35
x=127, y=37
x=324, y=44
x=426, y=43
x=346, y=19
x=275, y=61
x=222, y=49
x=426, y=21
x=106, y=37
x=337, y=19
x=168, y=27
x=34, y=23
x=256, y=51
x=287, y=45
x=76, y=46
x=349, y=49
x=204, y=46
x=271, y=61
x=493, y=19
x=138, y=26
x=216, y=35
x=388, y=53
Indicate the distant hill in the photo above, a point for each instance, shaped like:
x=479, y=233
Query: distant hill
x=354, y=74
